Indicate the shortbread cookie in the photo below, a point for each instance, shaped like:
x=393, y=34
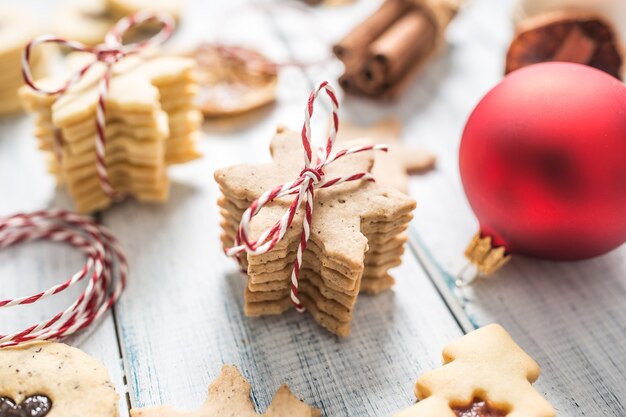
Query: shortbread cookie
x=484, y=374
x=145, y=130
x=356, y=234
x=233, y=79
x=229, y=396
x=54, y=380
x=392, y=168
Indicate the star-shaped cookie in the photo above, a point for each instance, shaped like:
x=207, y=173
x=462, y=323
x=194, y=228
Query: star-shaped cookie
x=150, y=123
x=229, y=396
x=356, y=233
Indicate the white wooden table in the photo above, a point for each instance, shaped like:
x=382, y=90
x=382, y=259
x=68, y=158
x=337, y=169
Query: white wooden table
x=181, y=316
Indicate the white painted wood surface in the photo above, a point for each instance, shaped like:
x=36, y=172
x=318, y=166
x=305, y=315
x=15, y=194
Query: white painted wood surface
x=571, y=317
x=181, y=317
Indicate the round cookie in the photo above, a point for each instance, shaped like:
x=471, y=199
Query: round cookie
x=54, y=380
x=86, y=21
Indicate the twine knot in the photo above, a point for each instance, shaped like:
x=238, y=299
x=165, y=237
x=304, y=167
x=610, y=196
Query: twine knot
x=314, y=174
x=108, y=54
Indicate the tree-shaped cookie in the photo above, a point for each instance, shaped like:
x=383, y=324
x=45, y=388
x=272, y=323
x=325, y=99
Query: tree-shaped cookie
x=485, y=374
x=393, y=167
x=229, y=396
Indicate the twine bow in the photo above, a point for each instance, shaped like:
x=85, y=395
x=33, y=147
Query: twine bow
x=311, y=178
x=111, y=51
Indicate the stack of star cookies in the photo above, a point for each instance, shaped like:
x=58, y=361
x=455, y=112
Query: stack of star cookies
x=357, y=235
x=151, y=122
x=17, y=28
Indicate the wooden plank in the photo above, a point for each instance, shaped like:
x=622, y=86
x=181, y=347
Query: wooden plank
x=570, y=317
x=181, y=317
x=32, y=267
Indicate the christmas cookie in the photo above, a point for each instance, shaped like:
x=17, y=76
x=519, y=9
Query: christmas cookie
x=484, y=374
x=391, y=168
x=356, y=234
x=233, y=79
x=229, y=396
x=151, y=122
x=17, y=27
x=54, y=380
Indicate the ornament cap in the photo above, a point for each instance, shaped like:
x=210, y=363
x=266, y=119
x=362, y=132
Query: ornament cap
x=487, y=258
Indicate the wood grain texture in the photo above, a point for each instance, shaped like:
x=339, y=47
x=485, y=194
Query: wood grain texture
x=569, y=316
x=182, y=315
x=33, y=267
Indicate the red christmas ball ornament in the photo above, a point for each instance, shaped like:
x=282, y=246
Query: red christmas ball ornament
x=543, y=164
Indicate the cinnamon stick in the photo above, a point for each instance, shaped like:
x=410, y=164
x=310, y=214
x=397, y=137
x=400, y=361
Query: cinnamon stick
x=371, y=28
x=385, y=53
x=404, y=44
x=355, y=82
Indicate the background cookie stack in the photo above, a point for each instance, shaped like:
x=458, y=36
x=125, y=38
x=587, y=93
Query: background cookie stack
x=150, y=122
x=330, y=280
x=16, y=29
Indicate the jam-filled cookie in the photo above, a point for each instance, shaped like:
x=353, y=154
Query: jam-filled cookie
x=45, y=379
x=484, y=374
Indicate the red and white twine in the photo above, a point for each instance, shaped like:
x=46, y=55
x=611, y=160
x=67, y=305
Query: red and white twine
x=105, y=268
x=311, y=178
x=108, y=53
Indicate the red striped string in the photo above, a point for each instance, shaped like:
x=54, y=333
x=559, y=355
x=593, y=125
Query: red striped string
x=105, y=269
